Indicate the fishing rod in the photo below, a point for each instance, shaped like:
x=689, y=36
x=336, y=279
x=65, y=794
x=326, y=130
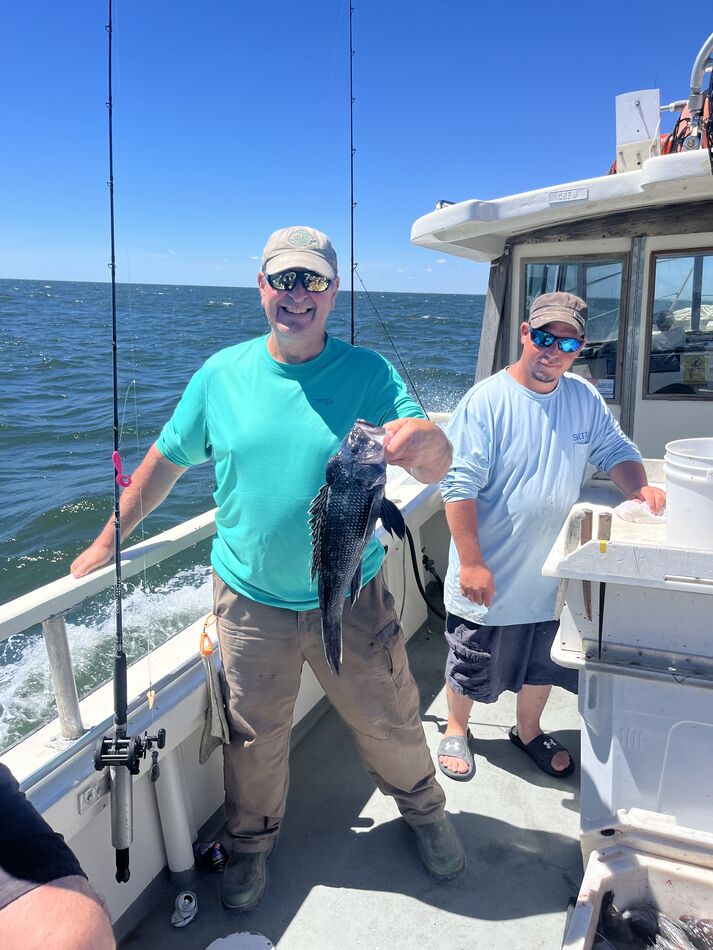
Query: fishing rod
x=354, y=265
x=352, y=150
x=427, y=562
x=119, y=751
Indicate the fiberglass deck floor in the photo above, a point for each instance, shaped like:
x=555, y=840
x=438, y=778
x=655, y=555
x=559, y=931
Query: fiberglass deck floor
x=345, y=874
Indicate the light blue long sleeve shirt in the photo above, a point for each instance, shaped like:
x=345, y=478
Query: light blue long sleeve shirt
x=523, y=457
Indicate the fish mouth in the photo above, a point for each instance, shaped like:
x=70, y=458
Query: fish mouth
x=367, y=434
x=365, y=442
x=372, y=431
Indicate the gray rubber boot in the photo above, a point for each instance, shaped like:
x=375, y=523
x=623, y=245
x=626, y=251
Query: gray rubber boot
x=244, y=880
x=439, y=849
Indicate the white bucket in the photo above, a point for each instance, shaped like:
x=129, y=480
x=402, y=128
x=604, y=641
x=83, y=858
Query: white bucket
x=688, y=465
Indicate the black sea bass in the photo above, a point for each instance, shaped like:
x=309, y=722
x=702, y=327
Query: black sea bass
x=342, y=518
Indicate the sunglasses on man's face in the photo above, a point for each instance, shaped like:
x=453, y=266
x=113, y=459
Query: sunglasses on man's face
x=286, y=280
x=567, y=344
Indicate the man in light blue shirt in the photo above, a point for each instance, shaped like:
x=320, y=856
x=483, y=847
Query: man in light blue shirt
x=521, y=443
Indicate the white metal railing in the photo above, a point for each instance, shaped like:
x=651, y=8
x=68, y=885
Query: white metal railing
x=47, y=605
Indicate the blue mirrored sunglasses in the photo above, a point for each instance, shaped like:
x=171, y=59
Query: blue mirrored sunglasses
x=286, y=280
x=543, y=339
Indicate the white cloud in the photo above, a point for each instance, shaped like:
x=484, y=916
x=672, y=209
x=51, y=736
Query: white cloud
x=441, y=260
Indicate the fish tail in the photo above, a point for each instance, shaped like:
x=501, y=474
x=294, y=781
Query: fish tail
x=332, y=640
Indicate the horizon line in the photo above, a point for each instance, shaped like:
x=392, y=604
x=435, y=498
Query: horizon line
x=137, y=283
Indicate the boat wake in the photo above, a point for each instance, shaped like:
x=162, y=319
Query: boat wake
x=151, y=616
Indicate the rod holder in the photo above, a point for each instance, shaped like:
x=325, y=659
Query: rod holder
x=123, y=754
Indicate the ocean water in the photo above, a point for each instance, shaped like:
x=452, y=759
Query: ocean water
x=56, y=488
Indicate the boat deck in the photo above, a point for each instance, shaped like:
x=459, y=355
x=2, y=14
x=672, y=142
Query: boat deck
x=346, y=874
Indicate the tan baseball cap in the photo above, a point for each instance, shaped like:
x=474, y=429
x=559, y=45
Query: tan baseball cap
x=559, y=307
x=300, y=248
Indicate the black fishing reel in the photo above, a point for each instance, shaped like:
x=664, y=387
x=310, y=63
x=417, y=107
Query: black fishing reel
x=126, y=750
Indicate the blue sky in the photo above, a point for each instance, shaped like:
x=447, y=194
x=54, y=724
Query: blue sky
x=231, y=120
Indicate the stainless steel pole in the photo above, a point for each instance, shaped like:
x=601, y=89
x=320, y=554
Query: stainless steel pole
x=62, y=672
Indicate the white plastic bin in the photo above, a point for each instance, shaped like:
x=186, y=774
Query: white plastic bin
x=688, y=465
x=642, y=856
x=646, y=743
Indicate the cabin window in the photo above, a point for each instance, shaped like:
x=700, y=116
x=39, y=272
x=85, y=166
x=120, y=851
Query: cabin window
x=599, y=282
x=680, y=327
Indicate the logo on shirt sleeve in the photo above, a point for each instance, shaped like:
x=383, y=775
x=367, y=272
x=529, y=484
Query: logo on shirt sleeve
x=581, y=438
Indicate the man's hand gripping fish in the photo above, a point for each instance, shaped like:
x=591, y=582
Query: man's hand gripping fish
x=342, y=519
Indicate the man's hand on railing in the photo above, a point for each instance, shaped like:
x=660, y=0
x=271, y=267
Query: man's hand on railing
x=97, y=555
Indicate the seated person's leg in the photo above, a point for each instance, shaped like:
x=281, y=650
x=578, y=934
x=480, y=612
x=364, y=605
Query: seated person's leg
x=45, y=899
x=64, y=915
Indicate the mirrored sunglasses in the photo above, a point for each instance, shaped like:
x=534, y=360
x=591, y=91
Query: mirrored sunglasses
x=286, y=280
x=543, y=339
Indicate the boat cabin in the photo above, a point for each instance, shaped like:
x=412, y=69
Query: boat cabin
x=638, y=247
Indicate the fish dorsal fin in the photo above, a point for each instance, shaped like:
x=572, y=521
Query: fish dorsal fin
x=316, y=522
x=392, y=519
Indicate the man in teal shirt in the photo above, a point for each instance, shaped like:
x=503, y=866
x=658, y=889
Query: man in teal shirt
x=269, y=413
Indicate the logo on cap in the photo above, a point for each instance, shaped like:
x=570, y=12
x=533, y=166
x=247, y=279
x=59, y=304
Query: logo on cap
x=300, y=238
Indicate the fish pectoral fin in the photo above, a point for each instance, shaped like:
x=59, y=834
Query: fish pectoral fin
x=316, y=520
x=392, y=519
x=356, y=585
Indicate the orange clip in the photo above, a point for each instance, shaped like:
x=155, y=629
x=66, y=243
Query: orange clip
x=206, y=644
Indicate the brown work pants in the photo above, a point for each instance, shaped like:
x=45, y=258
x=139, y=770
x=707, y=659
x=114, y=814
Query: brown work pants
x=262, y=650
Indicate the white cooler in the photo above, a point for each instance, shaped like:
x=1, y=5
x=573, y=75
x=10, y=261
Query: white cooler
x=642, y=856
x=645, y=666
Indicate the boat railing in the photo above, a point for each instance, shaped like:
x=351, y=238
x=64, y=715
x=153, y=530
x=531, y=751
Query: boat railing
x=47, y=606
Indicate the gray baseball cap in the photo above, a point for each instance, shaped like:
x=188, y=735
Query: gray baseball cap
x=301, y=248
x=561, y=308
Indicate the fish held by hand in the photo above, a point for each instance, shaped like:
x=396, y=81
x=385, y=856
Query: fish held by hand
x=343, y=517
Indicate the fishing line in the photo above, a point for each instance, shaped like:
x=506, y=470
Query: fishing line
x=119, y=751
x=393, y=345
x=121, y=707
x=354, y=265
x=143, y=583
x=352, y=295
x=352, y=150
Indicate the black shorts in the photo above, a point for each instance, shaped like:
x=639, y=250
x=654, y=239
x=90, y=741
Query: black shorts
x=485, y=661
x=30, y=852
